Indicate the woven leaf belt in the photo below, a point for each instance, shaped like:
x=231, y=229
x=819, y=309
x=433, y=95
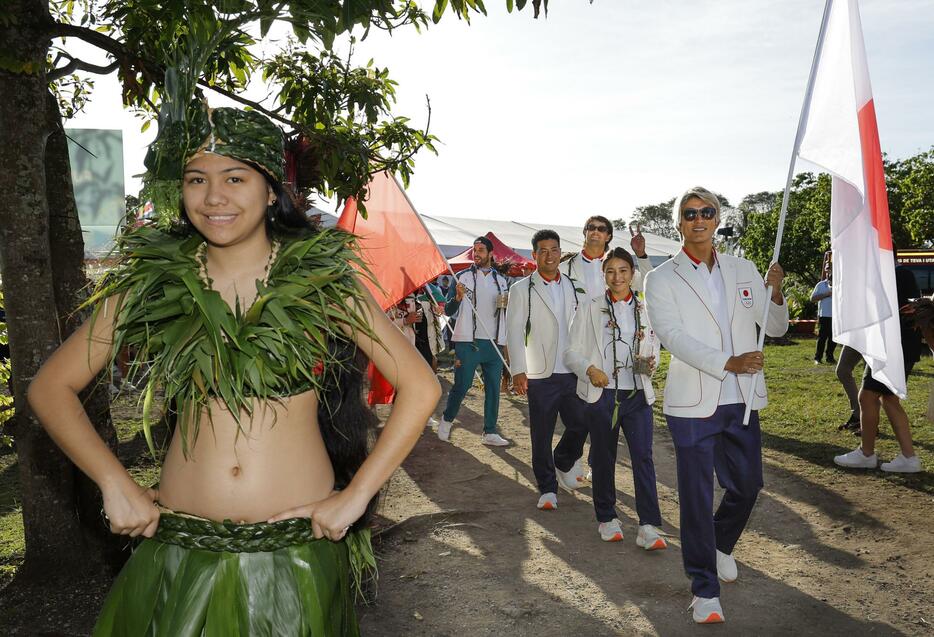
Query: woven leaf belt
x=209, y=535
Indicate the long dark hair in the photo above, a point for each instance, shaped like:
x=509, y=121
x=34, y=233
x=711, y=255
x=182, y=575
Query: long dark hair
x=343, y=418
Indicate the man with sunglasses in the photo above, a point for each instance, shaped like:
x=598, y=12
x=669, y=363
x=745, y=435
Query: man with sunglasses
x=586, y=267
x=705, y=307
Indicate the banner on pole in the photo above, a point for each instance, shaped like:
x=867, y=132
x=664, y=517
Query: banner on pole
x=842, y=138
x=393, y=242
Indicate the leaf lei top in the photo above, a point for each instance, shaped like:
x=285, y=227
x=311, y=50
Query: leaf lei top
x=197, y=349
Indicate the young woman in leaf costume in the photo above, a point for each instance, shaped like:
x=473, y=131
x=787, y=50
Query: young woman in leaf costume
x=249, y=320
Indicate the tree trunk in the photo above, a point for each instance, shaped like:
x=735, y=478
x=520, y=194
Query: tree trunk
x=71, y=286
x=55, y=543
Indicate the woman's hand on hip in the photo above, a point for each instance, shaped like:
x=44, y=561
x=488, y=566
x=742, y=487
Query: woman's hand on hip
x=330, y=518
x=131, y=510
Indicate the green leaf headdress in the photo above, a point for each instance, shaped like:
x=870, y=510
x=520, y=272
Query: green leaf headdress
x=247, y=136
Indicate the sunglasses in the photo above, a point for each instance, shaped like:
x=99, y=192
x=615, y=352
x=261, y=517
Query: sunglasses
x=690, y=214
x=590, y=227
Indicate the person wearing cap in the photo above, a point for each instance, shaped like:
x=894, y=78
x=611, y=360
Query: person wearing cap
x=538, y=317
x=478, y=300
x=705, y=308
x=250, y=320
x=585, y=268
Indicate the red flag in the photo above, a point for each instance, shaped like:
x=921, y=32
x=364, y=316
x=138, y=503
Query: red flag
x=841, y=137
x=394, y=242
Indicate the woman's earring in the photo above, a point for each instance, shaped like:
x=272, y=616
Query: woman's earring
x=271, y=211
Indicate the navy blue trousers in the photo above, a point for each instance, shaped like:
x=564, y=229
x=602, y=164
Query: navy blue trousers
x=635, y=419
x=703, y=445
x=549, y=397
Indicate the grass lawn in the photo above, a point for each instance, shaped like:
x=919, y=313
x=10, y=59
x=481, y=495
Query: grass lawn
x=806, y=403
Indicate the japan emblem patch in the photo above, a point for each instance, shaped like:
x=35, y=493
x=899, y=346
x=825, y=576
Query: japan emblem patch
x=745, y=296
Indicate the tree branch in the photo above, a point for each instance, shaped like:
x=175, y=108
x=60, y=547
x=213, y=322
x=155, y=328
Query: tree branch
x=79, y=65
x=98, y=39
x=254, y=105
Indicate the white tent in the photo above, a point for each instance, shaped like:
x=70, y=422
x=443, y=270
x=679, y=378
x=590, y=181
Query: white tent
x=456, y=234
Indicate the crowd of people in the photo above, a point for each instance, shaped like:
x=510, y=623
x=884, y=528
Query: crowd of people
x=583, y=334
x=254, y=325
x=583, y=338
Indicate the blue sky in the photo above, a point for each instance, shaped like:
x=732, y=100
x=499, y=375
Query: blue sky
x=605, y=107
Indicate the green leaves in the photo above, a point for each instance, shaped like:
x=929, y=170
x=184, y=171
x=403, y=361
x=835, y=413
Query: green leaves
x=200, y=351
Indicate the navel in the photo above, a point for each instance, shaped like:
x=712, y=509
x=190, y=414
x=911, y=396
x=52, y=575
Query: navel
x=235, y=471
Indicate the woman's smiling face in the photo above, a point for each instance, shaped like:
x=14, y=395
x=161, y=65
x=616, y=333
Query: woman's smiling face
x=225, y=199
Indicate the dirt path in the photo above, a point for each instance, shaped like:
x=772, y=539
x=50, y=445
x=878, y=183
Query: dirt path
x=825, y=553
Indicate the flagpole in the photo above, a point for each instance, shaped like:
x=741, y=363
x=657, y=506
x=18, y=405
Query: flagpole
x=476, y=317
x=799, y=135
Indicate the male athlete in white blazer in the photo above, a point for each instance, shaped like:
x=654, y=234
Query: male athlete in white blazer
x=586, y=267
x=704, y=307
x=538, y=317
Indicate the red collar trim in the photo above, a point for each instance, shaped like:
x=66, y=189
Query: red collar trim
x=697, y=261
x=589, y=260
x=616, y=300
x=547, y=280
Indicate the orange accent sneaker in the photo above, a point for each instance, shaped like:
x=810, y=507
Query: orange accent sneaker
x=548, y=502
x=611, y=531
x=707, y=610
x=650, y=538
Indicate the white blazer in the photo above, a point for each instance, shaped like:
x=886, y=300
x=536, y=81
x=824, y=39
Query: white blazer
x=572, y=268
x=536, y=358
x=682, y=314
x=585, y=347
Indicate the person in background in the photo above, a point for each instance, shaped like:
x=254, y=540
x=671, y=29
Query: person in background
x=706, y=308
x=538, y=316
x=428, y=338
x=875, y=396
x=613, y=351
x=922, y=314
x=822, y=293
x=586, y=267
x=479, y=292
x=847, y=361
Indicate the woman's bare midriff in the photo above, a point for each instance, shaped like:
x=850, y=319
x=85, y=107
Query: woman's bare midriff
x=278, y=462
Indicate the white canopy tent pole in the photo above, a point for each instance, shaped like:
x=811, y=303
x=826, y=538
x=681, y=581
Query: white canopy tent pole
x=802, y=125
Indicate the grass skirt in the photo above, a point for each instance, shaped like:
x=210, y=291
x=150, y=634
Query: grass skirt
x=206, y=578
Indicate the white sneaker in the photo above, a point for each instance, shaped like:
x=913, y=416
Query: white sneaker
x=707, y=610
x=610, y=531
x=548, y=502
x=494, y=440
x=856, y=459
x=726, y=567
x=444, y=430
x=901, y=464
x=432, y=422
x=570, y=479
x=650, y=539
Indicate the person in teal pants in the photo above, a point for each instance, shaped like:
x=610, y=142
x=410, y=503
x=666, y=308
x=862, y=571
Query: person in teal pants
x=479, y=300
